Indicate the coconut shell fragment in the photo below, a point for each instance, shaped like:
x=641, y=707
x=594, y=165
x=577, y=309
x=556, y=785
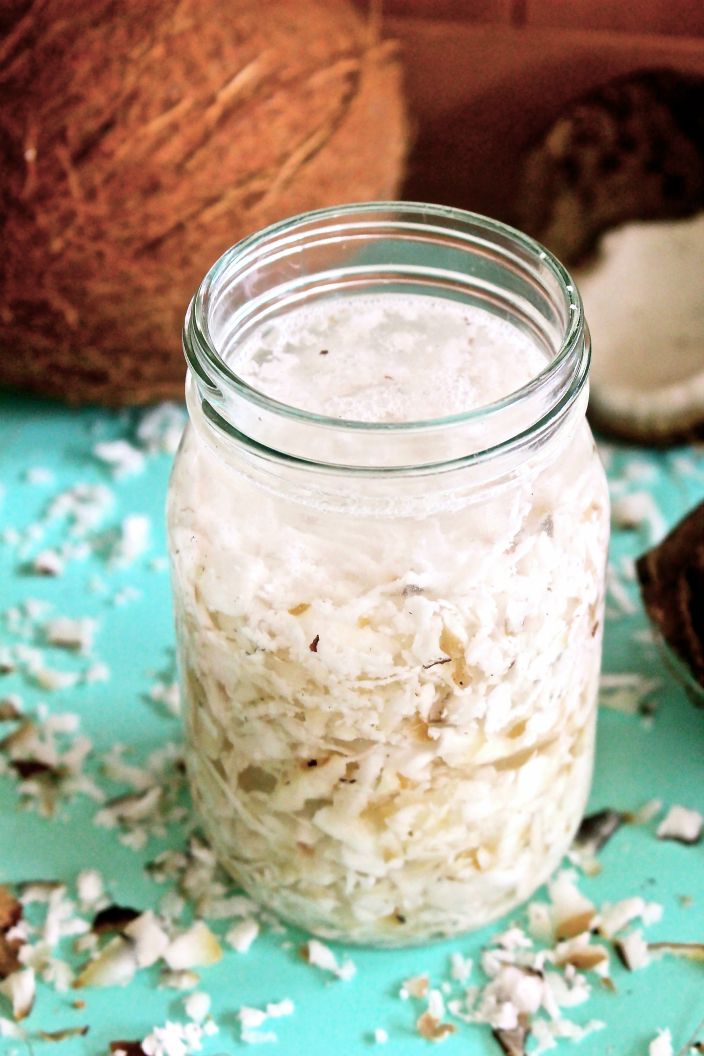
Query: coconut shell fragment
x=671, y=577
x=9, y=957
x=113, y=918
x=691, y=951
x=63, y=1034
x=512, y=1042
x=432, y=1029
x=596, y=829
x=10, y=915
x=10, y=909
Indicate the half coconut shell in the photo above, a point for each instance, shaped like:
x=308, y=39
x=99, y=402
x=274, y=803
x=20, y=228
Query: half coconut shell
x=644, y=304
x=615, y=187
x=671, y=577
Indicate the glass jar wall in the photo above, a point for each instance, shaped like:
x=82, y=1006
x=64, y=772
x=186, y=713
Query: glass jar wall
x=388, y=528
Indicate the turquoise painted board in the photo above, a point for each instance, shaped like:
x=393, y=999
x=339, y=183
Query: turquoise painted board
x=639, y=757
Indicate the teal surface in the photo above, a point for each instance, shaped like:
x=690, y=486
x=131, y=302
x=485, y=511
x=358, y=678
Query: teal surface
x=639, y=758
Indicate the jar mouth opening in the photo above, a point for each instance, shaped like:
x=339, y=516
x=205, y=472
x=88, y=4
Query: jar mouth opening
x=375, y=248
x=206, y=359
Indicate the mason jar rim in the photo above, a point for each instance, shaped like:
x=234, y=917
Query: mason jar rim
x=201, y=351
x=219, y=387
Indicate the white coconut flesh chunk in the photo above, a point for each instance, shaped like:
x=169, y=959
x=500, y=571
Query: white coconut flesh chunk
x=19, y=987
x=644, y=303
x=661, y=1045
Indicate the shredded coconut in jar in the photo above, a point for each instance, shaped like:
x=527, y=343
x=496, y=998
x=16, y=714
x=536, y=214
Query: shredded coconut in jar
x=390, y=706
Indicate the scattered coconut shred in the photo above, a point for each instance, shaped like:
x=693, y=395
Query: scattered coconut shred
x=73, y=937
x=681, y=824
x=661, y=1045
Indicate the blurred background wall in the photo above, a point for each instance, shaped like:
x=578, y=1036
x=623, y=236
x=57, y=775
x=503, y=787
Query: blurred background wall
x=485, y=77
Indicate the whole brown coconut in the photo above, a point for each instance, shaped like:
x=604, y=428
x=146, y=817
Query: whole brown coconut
x=139, y=140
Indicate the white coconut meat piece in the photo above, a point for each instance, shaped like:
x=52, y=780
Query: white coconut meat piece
x=639, y=509
x=681, y=824
x=42, y=742
x=582, y=954
x=436, y=1004
x=251, y=1018
x=277, y=1009
x=626, y=691
x=86, y=943
x=48, y=563
x=320, y=955
x=661, y=1045
x=116, y=769
x=39, y=475
x=179, y=980
x=540, y=921
x=258, y=1037
x=89, y=887
x=194, y=948
x=8, y=1029
x=514, y=938
x=41, y=891
x=460, y=967
x=120, y=457
x=231, y=906
x=20, y=989
x=171, y=906
x=176, y=1039
x=160, y=428
x=633, y=950
x=149, y=938
x=197, y=1005
x=565, y=991
x=546, y=1034
x=61, y=920
x=572, y=912
x=11, y=707
x=68, y=633
x=168, y=694
x=510, y=995
x=643, y=302
x=242, y=935
x=58, y=974
x=650, y=809
x=97, y=672
x=115, y=965
x=84, y=507
x=133, y=539
x=614, y=917
x=130, y=808
x=50, y=679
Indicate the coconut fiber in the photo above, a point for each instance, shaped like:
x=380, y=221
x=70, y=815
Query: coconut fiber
x=139, y=140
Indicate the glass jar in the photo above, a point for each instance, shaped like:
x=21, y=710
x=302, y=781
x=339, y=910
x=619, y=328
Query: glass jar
x=389, y=631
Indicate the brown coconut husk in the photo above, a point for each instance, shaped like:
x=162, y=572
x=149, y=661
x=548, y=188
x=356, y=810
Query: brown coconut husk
x=671, y=577
x=139, y=140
